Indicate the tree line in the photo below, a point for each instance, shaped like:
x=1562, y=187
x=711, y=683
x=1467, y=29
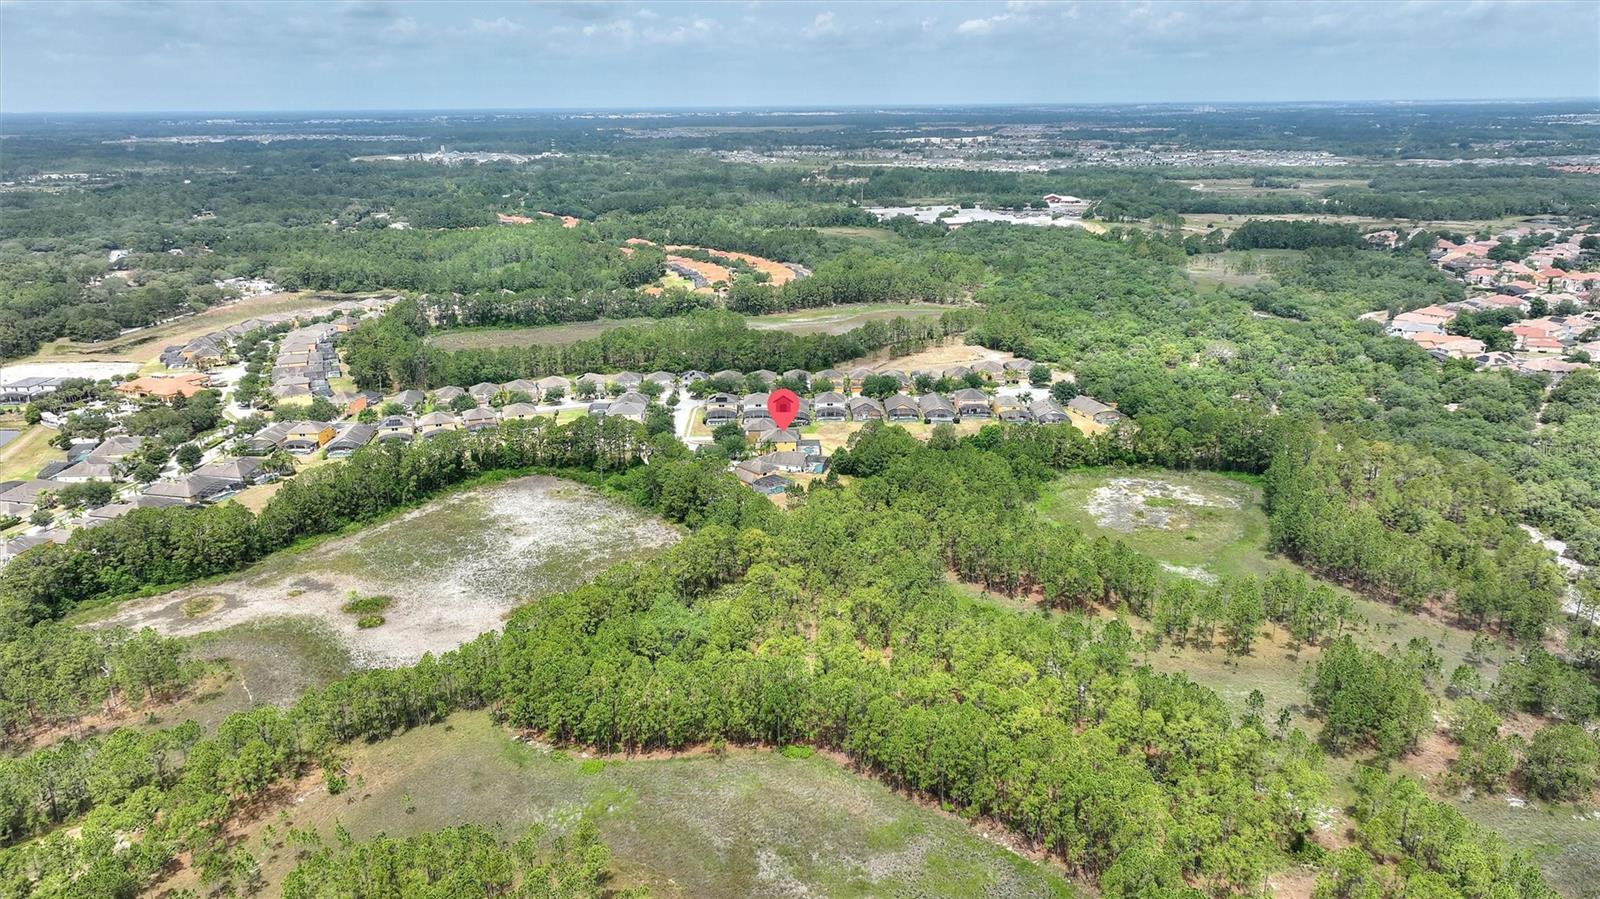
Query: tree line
x=147, y=548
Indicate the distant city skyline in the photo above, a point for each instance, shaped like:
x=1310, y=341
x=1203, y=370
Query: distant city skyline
x=295, y=56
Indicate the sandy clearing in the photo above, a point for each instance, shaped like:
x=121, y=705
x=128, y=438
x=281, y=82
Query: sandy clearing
x=96, y=370
x=781, y=274
x=455, y=568
x=1124, y=504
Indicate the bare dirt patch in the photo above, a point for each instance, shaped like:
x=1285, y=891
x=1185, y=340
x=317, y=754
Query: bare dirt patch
x=454, y=568
x=1126, y=504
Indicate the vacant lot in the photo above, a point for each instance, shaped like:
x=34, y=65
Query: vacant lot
x=752, y=823
x=543, y=335
x=839, y=319
x=1201, y=524
x=452, y=569
x=831, y=320
x=146, y=345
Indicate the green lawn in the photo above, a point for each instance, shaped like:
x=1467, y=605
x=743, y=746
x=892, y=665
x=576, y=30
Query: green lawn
x=29, y=451
x=753, y=823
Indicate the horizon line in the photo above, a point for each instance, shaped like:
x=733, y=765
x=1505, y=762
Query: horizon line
x=820, y=107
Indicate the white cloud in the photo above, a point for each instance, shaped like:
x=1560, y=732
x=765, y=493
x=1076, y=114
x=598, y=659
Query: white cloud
x=501, y=25
x=981, y=27
x=822, y=26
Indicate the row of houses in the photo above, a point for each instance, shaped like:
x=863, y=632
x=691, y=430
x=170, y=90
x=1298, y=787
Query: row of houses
x=846, y=381
x=302, y=438
x=212, y=348
x=306, y=362
x=212, y=482
x=751, y=410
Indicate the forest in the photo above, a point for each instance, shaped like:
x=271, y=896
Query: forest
x=773, y=629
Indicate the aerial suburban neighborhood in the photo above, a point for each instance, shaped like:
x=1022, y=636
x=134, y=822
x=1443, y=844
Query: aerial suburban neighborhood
x=985, y=449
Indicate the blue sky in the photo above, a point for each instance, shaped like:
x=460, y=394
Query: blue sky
x=241, y=56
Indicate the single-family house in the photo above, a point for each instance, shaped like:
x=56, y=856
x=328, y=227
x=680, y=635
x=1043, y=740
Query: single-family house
x=833, y=376
x=165, y=388
x=793, y=461
x=410, y=399
x=728, y=374
x=350, y=439
x=20, y=499
x=483, y=391
x=518, y=412
x=1011, y=410
x=721, y=408
x=191, y=490
x=444, y=396
x=268, y=438
x=693, y=375
x=479, y=419
x=971, y=402
x=783, y=440
x=554, y=383
x=799, y=375
x=749, y=471
x=831, y=406
x=1086, y=410
x=901, y=408
x=88, y=470
x=865, y=408
x=115, y=449
x=771, y=485
x=632, y=410
x=753, y=405
x=239, y=471
x=397, y=424
x=1048, y=412
x=666, y=379
x=522, y=385
x=435, y=423
x=936, y=409
x=307, y=436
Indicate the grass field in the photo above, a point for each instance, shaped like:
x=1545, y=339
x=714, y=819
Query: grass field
x=550, y=335
x=839, y=319
x=23, y=456
x=752, y=823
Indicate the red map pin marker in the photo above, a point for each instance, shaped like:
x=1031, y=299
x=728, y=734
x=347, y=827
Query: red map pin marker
x=782, y=406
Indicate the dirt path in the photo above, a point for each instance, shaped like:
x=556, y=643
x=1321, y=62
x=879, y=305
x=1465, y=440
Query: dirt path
x=454, y=569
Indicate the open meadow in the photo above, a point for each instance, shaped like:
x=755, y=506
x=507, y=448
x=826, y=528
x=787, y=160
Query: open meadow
x=839, y=319
x=750, y=823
